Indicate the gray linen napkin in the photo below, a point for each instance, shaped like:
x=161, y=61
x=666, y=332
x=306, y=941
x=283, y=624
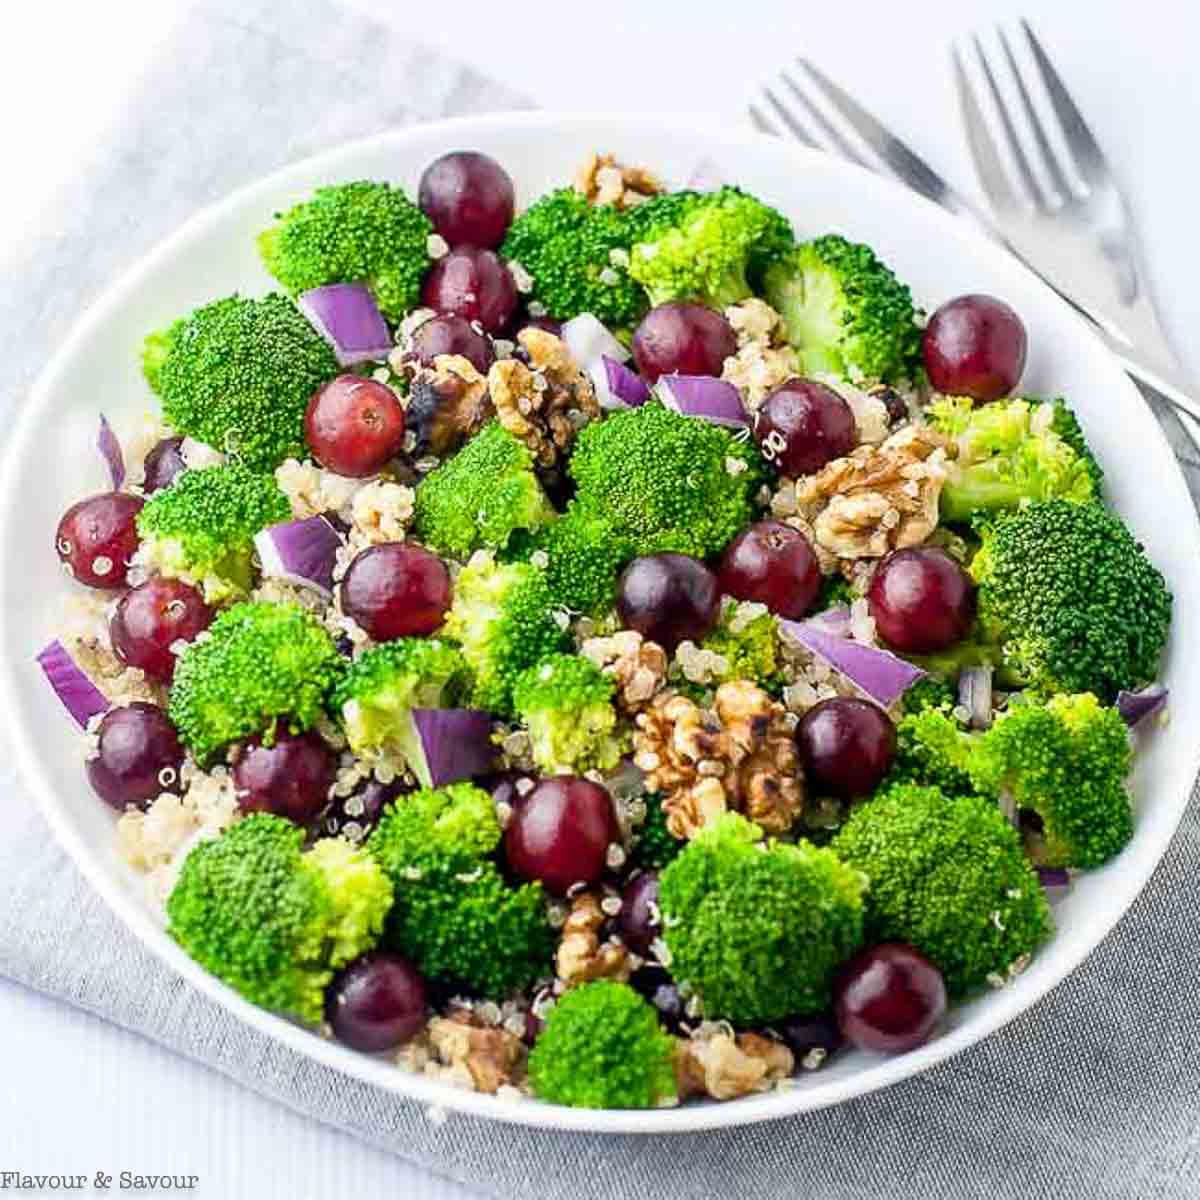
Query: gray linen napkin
x=1096, y=1091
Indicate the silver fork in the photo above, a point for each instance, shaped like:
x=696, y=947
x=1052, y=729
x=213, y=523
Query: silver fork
x=786, y=107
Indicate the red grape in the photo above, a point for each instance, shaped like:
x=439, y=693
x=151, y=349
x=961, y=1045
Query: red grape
x=846, y=745
x=668, y=598
x=975, y=346
x=290, y=778
x=151, y=618
x=684, y=339
x=889, y=999
x=922, y=600
x=803, y=425
x=376, y=1003
x=98, y=536
x=560, y=831
x=639, y=920
x=138, y=756
x=396, y=590
x=812, y=1039
x=354, y=426
x=450, y=334
x=468, y=197
x=773, y=564
x=162, y=464
x=473, y=284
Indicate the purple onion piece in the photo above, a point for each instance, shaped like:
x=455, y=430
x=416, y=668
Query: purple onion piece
x=706, y=176
x=704, y=396
x=1135, y=707
x=626, y=387
x=449, y=744
x=110, y=450
x=589, y=339
x=79, y=695
x=347, y=317
x=975, y=695
x=300, y=552
x=1055, y=881
x=881, y=675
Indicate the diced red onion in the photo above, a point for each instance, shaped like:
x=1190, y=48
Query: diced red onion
x=1055, y=881
x=625, y=388
x=110, y=450
x=881, y=675
x=79, y=695
x=703, y=396
x=588, y=339
x=347, y=317
x=449, y=744
x=706, y=176
x=975, y=695
x=1135, y=707
x=300, y=552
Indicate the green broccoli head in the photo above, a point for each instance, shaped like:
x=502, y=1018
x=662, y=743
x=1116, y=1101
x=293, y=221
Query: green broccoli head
x=1064, y=761
x=844, y=311
x=256, y=663
x=505, y=620
x=201, y=529
x=577, y=254
x=237, y=375
x=928, y=692
x=1066, y=424
x=1008, y=454
x=478, y=498
x=603, y=1047
x=272, y=920
x=758, y=933
x=666, y=482
x=948, y=876
x=583, y=555
x=1071, y=600
x=700, y=246
x=359, y=232
x=386, y=682
x=746, y=637
x=566, y=703
x=454, y=915
x=654, y=845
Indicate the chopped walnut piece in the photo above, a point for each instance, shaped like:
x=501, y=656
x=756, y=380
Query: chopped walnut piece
x=581, y=956
x=877, y=498
x=714, y=1063
x=603, y=180
x=381, y=512
x=493, y=1056
x=740, y=755
x=639, y=667
x=458, y=395
x=546, y=403
x=763, y=360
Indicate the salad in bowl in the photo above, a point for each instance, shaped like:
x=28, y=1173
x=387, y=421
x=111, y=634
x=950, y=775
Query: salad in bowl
x=612, y=653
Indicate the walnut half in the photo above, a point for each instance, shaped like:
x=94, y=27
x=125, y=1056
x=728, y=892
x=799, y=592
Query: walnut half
x=581, y=955
x=493, y=1056
x=714, y=1063
x=603, y=180
x=637, y=665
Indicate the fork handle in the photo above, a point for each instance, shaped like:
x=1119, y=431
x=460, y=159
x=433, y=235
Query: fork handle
x=1167, y=380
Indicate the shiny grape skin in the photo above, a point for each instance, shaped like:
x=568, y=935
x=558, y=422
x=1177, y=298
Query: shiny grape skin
x=396, y=589
x=469, y=198
x=354, y=426
x=889, y=999
x=376, y=1003
x=975, y=345
x=804, y=425
x=97, y=537
x=473, y=284
x=638, y=920
x=921, y=600
x=151, y=618
x=290, y=778
x=683, y=339
x=451, y=334
x=668, y=598
x=138, y=756
x=847, y=745
x=773, y=564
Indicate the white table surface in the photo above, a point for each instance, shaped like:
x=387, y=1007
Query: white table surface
x=79, y=1096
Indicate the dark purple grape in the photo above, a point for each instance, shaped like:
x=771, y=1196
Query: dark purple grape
x=921, y=600
x=473, y=284
x=97, y=537
x=397, y=589
x=653, y=982
x=151, y=618
x=812, y=1039
x=138, y=756
x=354, y=426
x=889, y=999
x=975, y=346
x=290, y=778
x=773, y=564
x=377, y=1003
x=803, y=425
x=450, y=334
x=162, y=464
x=668, y=598
x=683, y=339
x=639, y=921
x=468, y=197
x=846, y=745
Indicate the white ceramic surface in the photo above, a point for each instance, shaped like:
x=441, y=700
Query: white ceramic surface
x=51, y=461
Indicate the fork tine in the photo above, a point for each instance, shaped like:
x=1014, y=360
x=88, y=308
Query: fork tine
x=988, y=164
x=789, y=119
x=1089, y=158
x=1010, y=134
x=760, y=122
x=1049, y=159
x=835, y=138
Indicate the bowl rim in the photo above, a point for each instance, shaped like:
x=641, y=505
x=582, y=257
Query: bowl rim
x=880, y=1073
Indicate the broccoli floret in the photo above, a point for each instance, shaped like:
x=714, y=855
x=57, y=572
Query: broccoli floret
x=666, y=481
x=747, y=638
x=758, y=934
x=201, y=529
x=454, y=915
x=237, y=375
x=603, y=1047
x=477, y=499
x=1065, y=761
x=567, y=245
x=932, y=750
x=1066, y=424
x=928, y=692
x=844, y=310
x=948, y=876
x=275, y=921
x=654, y=845
x=584, y=554
x=1071, y=600
x=348, y=233
x=385, y=683
x=257, y=664
x=1008, y=454
x=701, y=249
x=566, y=704
x=835, y=590
x=504, y=619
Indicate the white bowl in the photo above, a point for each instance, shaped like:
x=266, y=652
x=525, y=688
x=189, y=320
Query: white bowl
x=52, y=461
